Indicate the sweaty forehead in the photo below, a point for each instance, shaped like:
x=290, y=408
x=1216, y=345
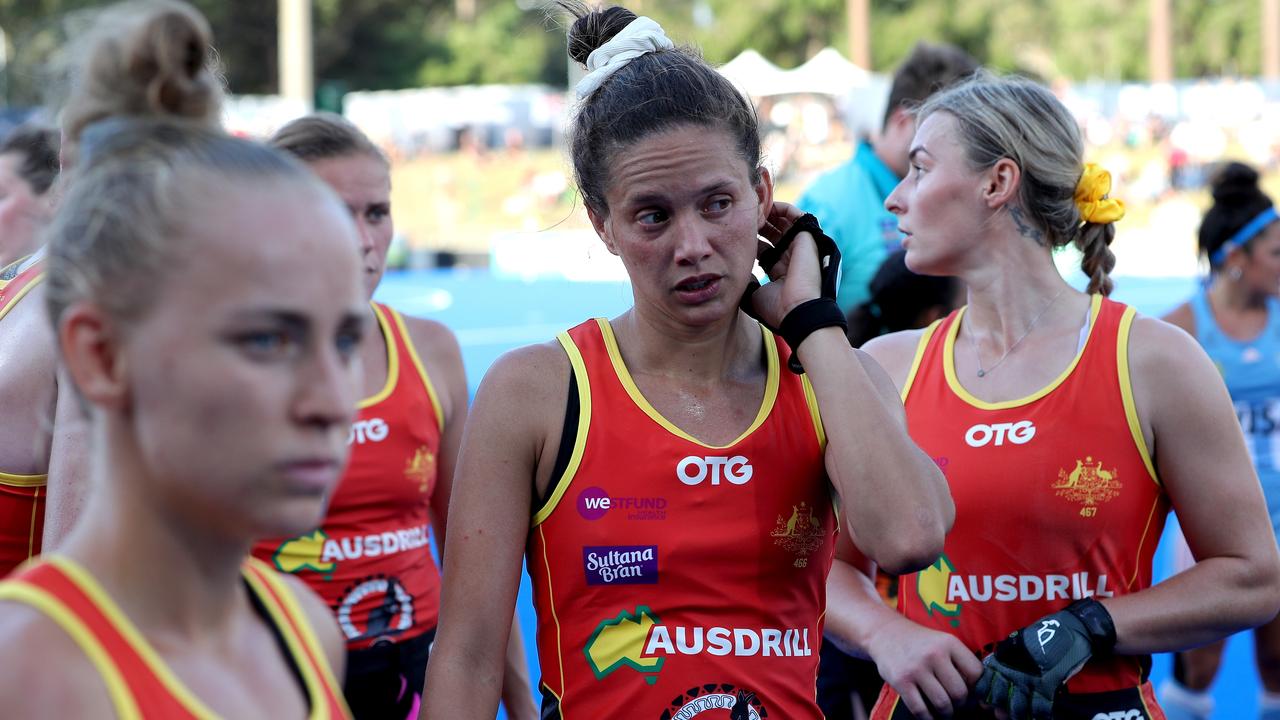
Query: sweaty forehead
x=686, y=160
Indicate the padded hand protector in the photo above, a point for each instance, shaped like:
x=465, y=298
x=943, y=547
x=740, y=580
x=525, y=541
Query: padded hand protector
x=828, y=259
x=1029, y=667
x=810, y=315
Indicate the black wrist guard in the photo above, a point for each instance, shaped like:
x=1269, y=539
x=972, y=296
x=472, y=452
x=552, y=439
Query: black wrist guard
x=803, y=319
x=1095, y=618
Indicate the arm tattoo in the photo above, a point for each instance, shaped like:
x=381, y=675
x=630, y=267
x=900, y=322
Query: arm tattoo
x=1025, y=228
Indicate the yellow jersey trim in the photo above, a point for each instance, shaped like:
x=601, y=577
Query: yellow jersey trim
x=1126, y=393
x=12, y=302
x=417, y=362
x=1137, y=566
x=122, y=699
x=949, y=365
x=766, y=405
x=925, y=337
x=35, y=517
x=23, y=481
x=584, y=425
x=107, y=606
x=551, y=602
x=811, y=399
x=393, y=362
x=289, y=608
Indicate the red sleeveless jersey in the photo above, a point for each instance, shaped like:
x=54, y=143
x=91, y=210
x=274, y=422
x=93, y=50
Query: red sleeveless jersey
x=674, y=579
x=21, y=496
x=371, y=559
x=140, y=685
x=1056, y=497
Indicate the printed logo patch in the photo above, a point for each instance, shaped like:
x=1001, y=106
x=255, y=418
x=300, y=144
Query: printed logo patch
x=594, y=503
x=1088, y=484
x=621, y=565
x=716, y=700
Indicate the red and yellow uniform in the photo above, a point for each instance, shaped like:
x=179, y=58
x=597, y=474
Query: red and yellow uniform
x=371, y=559
x=672, y=578
x=140, y=685
x=1056, y=500
x=21, y=496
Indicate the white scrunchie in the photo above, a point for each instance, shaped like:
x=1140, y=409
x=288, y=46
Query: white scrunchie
x=640, y=36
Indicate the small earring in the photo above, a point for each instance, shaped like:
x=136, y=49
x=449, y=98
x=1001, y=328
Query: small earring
x=1235, y=274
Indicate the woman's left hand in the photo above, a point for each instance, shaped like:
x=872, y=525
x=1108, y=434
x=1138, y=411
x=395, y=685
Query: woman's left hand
x=796, y=277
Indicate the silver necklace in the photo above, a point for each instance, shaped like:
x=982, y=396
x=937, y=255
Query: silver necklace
x=983, y=372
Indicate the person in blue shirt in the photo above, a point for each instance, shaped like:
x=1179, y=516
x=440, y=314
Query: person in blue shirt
x=849, y=200
x=1236, y=318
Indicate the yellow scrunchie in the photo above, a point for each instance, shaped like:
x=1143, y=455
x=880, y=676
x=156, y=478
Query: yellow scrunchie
x=1092, y=197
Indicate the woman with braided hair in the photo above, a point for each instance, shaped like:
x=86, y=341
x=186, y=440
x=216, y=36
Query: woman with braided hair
x=669, y=471
x=1067, y=427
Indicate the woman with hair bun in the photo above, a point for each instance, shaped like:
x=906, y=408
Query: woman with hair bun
x=670, y=471
x=218, y=373
x=1067, y=426
x=404, y=446
x=1236, y=319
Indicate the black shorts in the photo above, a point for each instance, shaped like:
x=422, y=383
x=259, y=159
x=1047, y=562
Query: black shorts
x=384, y=682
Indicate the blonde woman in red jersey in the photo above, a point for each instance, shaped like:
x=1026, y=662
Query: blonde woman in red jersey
x=1067, y=427
x=669, y=475
x=218, y=373
x=371, y=559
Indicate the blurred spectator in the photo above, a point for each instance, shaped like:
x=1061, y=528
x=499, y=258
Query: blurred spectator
x=28, y=167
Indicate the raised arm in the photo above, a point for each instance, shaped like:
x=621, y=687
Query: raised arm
x=896, y=499
x=489, y=525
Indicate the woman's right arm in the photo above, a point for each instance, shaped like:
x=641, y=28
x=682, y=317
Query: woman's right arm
x=505, y=435
x=922, y=665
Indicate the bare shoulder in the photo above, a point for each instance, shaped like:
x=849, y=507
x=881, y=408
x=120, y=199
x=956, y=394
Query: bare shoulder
x=320, y=618
x=1164, y=356
x=28, y=685
x=1183, y=317
x=896, y=352
x=432, y=339
x=1160, y=346
x=533, y=373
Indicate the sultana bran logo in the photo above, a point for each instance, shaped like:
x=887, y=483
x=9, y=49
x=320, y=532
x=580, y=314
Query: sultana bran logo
x=1088, y=484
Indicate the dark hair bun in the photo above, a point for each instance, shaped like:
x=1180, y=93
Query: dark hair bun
x=1234, y=183
x=593, y=28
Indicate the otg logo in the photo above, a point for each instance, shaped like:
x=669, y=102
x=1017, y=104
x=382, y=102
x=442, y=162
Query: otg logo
x=693, y=470
x=1019, y=433
x=373, y=430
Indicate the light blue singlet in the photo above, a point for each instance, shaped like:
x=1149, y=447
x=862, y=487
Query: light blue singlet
x=1251, y=370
